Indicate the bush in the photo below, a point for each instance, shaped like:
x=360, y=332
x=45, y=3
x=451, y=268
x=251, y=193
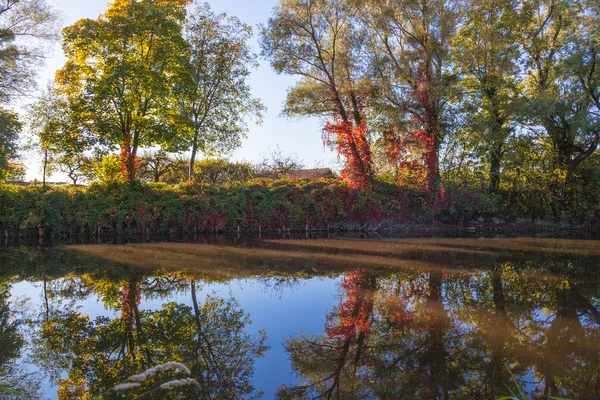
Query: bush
x=141, y=211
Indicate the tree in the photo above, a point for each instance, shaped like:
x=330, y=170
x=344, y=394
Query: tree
x=317, y=41
x=487, y=58
x=14, y=377
x=87, y=358
x=107, y=169
x=213, y=96
x=77, y=167
x=154, y=166
x=278, y=165
x=10, y=127
x=558, y=95
x=410, y=56
x=119, y=74
x=57, y=135
x=25, y=25
x=222, y=172
x=582, y=65
x=331, y=367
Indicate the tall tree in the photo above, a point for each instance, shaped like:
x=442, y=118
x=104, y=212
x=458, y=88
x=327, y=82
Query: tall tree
x=317, y=40
x=10, y=127
x=56, y=134
x=119, y=73
x=25, y=27
x=558, y=94
x=487, y=57
x=213, y=94
x=410, y=43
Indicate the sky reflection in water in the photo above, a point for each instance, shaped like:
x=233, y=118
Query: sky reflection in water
x=393, y=318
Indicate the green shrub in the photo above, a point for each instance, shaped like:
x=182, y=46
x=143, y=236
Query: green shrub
x=144, y=211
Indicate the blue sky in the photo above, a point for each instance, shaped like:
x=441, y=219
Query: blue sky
x=300, y=136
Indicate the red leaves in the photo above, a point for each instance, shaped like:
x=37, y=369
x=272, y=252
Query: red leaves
x=422, y=169
x=351, y=138
x=353, y=146
x=130, y=300
x=129, y=163
x=354, y=315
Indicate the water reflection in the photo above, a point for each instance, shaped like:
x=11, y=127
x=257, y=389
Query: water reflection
x=411, y=318
x=87, y=357
x=13, y=376
x=440, y=336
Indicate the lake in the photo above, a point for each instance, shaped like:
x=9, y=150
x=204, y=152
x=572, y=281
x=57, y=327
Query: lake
x=332, y=318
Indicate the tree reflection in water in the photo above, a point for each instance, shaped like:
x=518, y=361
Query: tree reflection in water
x=88, y=358
x=14, y=376
x=433, y=335
x=417, y=319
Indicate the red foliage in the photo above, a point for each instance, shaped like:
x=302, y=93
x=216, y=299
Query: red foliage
x=351, y=139
x=198, y=221
x=353, y=146
x=425, y=167
x=130, y=300
x=354, y=315
x=129, y=163
x=401, y=305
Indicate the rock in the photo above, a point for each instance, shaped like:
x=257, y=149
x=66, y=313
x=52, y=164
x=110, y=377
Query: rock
x=497, y=220
x=523, y=221
x=481, y=220
x=541, y=222
x=564, y=223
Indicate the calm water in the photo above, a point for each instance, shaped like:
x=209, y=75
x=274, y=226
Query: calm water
x=297, y=319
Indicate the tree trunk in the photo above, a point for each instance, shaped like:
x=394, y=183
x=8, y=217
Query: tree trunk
x=192, y=173
x=500, y=330
x=495, y=161
x=45, y=166
x=128, y=158
x=436, y=356
x=425, y=94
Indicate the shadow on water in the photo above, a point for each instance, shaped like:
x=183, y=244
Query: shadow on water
x=413, y=318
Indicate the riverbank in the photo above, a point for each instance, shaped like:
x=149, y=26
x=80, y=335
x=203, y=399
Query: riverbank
x=140, y=212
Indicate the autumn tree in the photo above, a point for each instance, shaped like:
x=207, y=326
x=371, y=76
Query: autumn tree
x=119, y=73
x=410, y=60
x=487, y=56
x=559, y=84
x=212, y=92
x=331, y=367
x=317, y=41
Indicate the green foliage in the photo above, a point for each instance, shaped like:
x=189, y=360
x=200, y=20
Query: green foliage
x=213, y=98
x=142, y=211
x=108, y=169
x=119, y=70
x=24, y=27
x=9, y=131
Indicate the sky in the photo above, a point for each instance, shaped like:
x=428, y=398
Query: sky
x=298, y=136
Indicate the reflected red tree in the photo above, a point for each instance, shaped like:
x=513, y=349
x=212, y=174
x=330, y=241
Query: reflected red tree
x=333, y=363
